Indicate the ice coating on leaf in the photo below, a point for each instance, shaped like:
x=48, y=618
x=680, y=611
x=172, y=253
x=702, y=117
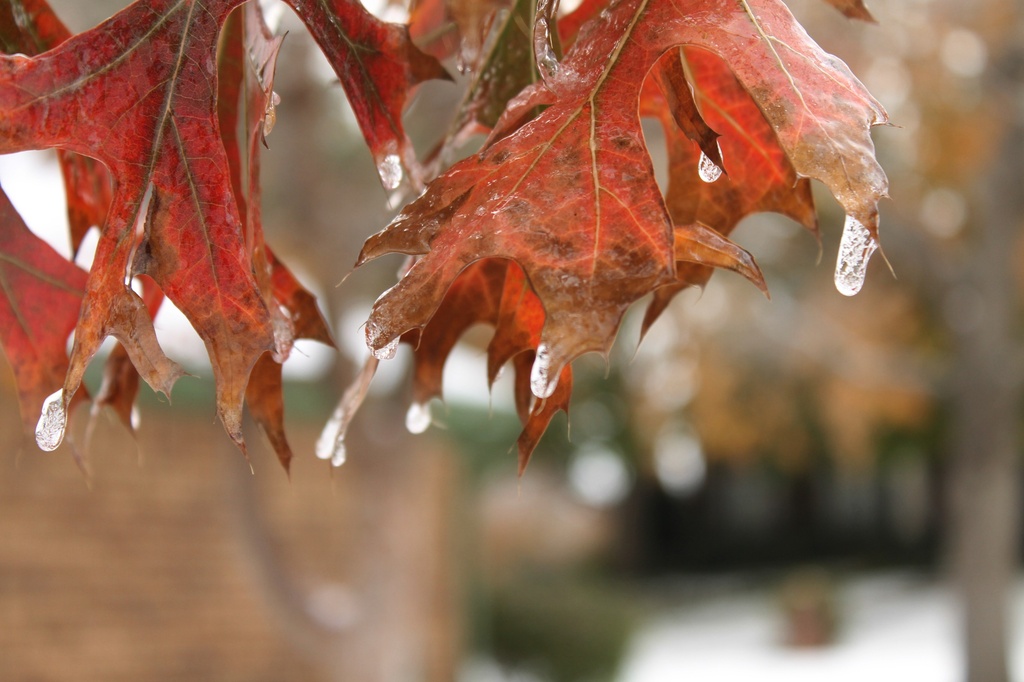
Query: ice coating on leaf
x=543, y=47
x=543, y=381
x=52, y=422
x=548, y=63
x=570, y=195
x=855, y=251
x=270, y=115
x=390, y=170
x=708, y=170
x=331, y=444
x=418, y=418
x=386, y=352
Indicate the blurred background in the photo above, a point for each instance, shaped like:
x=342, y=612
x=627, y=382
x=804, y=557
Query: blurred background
x=809, y=488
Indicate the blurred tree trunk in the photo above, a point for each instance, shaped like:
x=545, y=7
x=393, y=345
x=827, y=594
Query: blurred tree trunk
x=391, y=610
x=986, y=400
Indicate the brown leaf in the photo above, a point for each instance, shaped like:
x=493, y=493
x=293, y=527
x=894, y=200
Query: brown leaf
x=699, y=244
x=854, y=9
x=118, y=391
x=678, y=102
x=263, y=396
x=120, y=385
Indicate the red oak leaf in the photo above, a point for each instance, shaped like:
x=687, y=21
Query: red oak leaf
x=569, y=26
x=518, y=325
x=247, y=62
x=475, y=297
x=304, y=314
x=144, y=103
x=377, y=64
x=31, y=27
x=493, y=292
x=517, y=337
x=40, y=294
x=570, y=195
x=667, y=94
x=758, y=175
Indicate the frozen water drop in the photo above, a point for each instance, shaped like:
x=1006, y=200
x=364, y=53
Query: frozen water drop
x=390, y=170
x=331, y=445
x=52, y=422
x=386, y=352
x=708, y=170
x=340, y=454
x=329, y=437
x=418, y=418
x=548, y=64
x=854, y=253
x=541, y=382
x=547, y=60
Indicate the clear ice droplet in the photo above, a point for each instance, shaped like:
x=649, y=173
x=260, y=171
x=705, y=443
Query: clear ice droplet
x=52, y=422
x=418, y=418
x=541, y=382
x=854, y=253
x=390, y=170
x=549, y=64
x=329, y=441
x=340, y=454
x=547, y=61
x=708, y=170
x=386, y=352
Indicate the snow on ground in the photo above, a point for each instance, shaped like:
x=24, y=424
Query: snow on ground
x=894, y=627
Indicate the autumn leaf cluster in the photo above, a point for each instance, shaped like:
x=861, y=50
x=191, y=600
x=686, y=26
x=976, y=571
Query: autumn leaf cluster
x=548, y=233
